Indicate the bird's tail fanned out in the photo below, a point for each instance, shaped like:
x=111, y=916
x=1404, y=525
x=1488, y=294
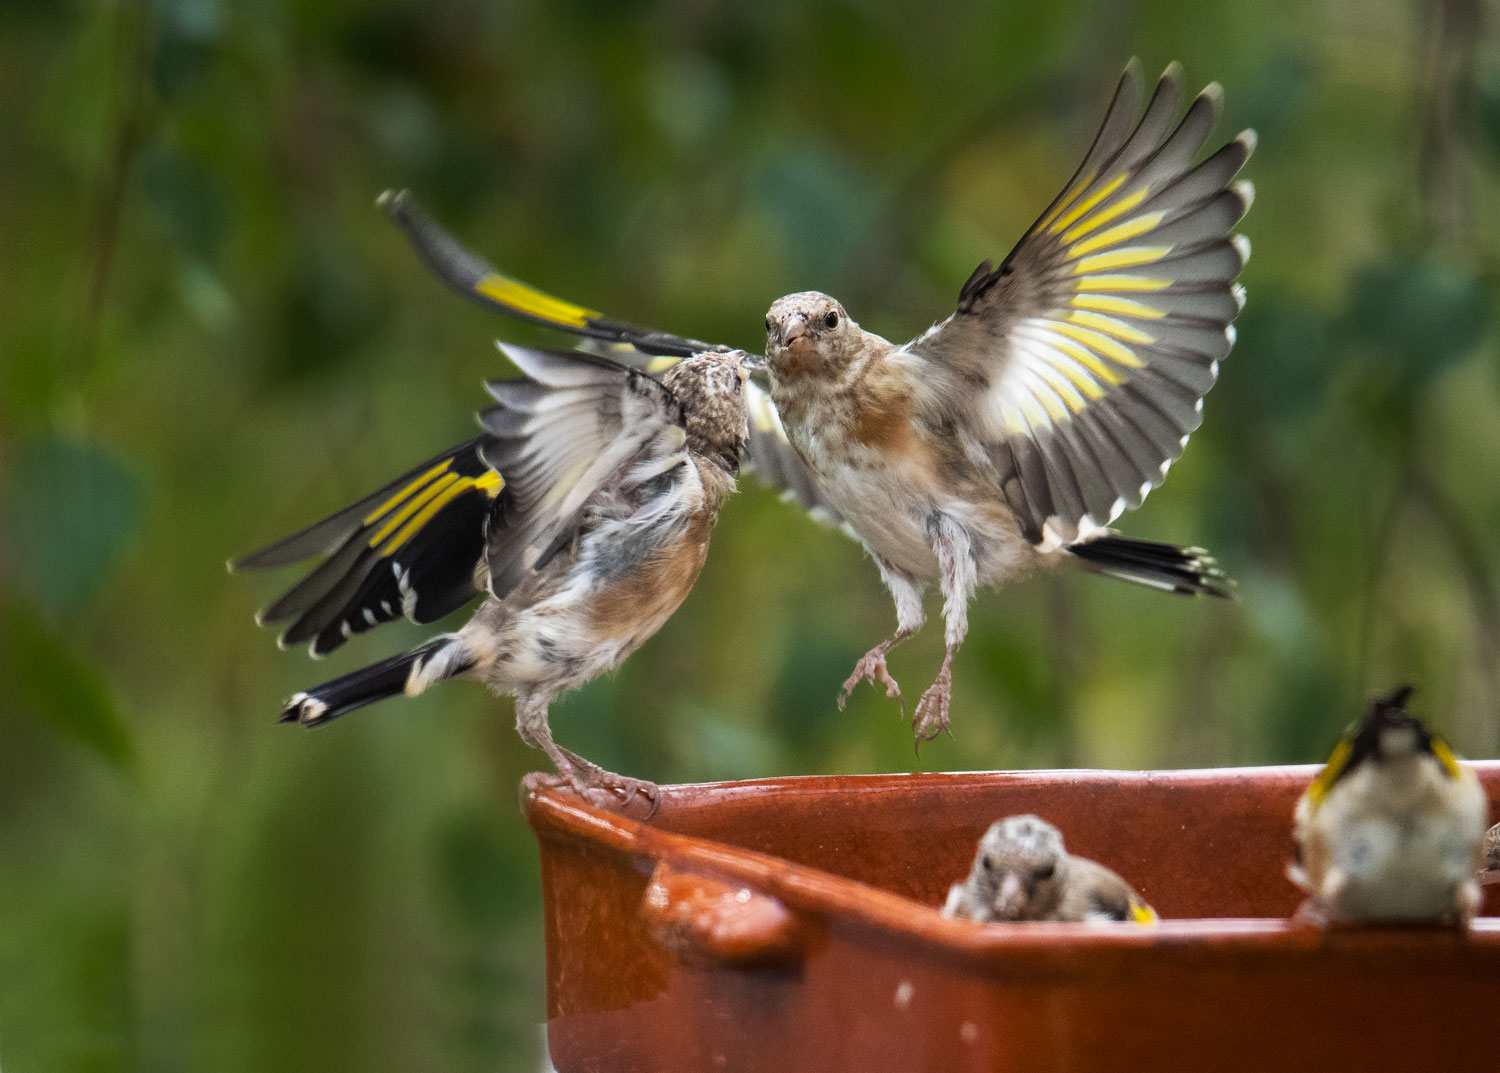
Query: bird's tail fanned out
x=411, y=672
x=1186, y=571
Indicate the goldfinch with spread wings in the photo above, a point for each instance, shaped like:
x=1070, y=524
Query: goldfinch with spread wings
x=581, y=515
x=1007, y=438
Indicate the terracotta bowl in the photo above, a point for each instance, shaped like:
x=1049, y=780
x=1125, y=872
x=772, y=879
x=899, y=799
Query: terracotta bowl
x=792, y=925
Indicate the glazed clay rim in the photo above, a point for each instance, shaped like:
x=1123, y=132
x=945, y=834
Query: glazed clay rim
x=822, y=900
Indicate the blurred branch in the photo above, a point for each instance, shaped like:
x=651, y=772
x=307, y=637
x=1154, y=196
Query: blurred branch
x=1469, y=555
x=1385, y=540
x=127, y=125
x=1451, y=30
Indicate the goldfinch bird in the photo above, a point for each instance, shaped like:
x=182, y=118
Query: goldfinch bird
x=581, y=514
x=1391, y=828
x=1023, y=872
x=1007, y=438
x=1489, y=861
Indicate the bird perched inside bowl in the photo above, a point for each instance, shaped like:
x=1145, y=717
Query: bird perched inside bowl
x=1007, y=438
x=1489, y=859
x=1023, y=872
x=1391, y=828
x=582, y=514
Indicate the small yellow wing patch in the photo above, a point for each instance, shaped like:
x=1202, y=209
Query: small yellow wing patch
x=1446, y=757
x=1142, y=913
x=532, y=302
x=1323, y=782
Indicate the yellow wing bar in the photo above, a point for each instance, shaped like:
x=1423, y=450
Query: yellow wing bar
x=469, y=275
x=414, y=505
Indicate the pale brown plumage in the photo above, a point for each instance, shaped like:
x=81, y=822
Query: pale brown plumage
x=1489, y=858
x=1022, y=872
x=584, y=523
x=1009, y=436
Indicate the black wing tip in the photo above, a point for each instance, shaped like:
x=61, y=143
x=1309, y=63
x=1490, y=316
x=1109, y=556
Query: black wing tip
x=398, y=204
x=304, y=709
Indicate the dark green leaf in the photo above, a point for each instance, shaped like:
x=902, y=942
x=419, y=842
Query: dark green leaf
x=67, y=513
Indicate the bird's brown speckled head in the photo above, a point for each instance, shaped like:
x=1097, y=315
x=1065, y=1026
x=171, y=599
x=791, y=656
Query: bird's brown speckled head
x=809, y=333
x=711, y=389
x=1017, y=865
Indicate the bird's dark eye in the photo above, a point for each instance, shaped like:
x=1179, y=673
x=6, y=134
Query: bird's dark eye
x=987, y=864
x=769, y=325
x=830, y=319
x=1045, y=871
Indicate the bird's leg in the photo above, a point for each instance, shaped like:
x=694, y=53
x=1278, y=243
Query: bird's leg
x=909, y=618
x=601, y=788
x=950, y=542
x=1318, y=910
x=1469, y=899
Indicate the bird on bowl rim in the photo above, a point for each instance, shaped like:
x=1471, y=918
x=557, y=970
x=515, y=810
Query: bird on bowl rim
x=582, y=514
x=1008, y=437
x=1392, y=826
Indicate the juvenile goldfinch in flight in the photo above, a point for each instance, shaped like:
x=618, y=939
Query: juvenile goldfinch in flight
x=581, y=514
x=1022, y=872
x=1391, y=828
x=1007, y=438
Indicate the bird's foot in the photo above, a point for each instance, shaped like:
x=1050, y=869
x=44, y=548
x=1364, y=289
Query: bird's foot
x=871, y=668
x=1313, y=913
x=931, y=718
x=622, y=794
x=606, y=790
x=1468, y=901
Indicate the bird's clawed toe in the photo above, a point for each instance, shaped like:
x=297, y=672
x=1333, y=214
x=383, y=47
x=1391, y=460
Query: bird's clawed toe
x=871, y=668
x=621, y=794
x=931, y=718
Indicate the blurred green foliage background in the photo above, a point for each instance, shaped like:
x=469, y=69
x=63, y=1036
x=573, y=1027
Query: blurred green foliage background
x=210, y=336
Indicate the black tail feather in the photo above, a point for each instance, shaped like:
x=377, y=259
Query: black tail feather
x=355, y=690
x=1186, y=571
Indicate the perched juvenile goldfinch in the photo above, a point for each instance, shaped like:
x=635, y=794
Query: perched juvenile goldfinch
x=1022, y=872
x=1391, y=828
x=1007, y=438
x=582, y=514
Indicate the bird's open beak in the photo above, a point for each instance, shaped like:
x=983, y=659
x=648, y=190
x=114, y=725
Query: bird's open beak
x=796, y=329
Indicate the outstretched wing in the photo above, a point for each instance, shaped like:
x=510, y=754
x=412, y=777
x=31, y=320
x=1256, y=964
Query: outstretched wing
x=471, y=277
x=1094, y=342
x=770, y=456
x=422, y=545
x=409, y=548
x=575, y=422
